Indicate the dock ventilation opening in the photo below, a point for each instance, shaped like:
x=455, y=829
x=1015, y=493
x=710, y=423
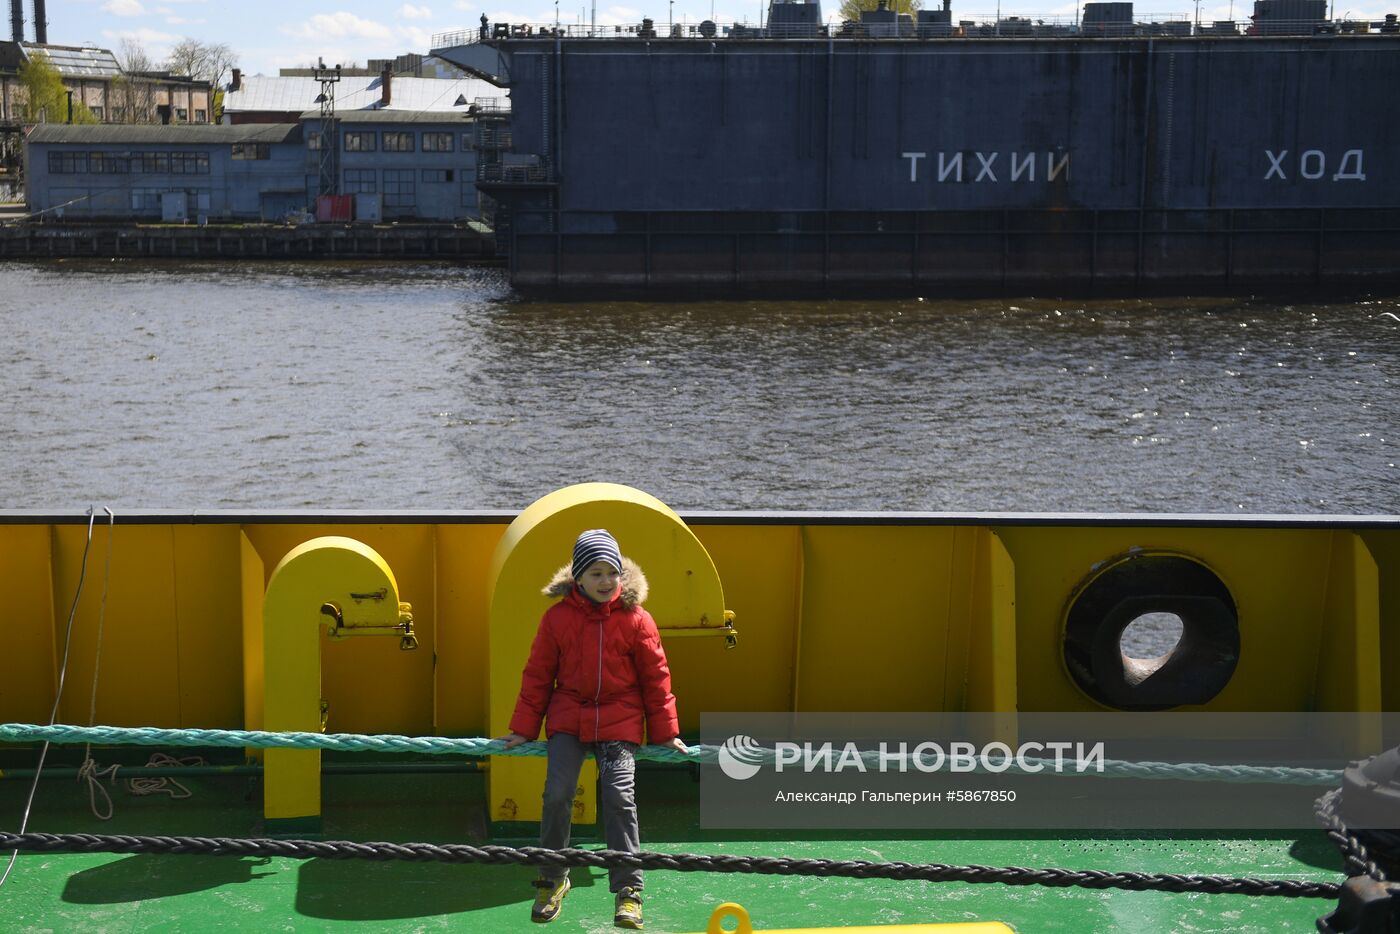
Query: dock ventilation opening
x=1150, y=632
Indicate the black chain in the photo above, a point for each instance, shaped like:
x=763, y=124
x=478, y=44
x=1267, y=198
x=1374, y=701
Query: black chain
x=680, y=862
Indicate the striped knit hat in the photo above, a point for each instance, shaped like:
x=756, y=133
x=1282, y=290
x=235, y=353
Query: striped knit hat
x=595, y=545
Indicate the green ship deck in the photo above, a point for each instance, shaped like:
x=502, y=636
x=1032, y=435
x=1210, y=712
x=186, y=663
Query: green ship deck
x=148, y=892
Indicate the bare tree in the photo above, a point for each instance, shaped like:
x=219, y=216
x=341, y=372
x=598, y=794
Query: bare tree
x=204, y=61
x=134, y=91
x=133, y=56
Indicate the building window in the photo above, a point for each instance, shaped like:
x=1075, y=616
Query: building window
x=103, y=163
x=118, y=114
x=437, y=175
x=189, y=163
x=243, y=151
x=67, y=163
x=466, y=142
x=155, y=163
x=359, y=181
x=201, y=116
x=398, y=188
x=398, y=142
x=437, y=142
x=182, y=114
x=96, y=112
x=313, y=141
x=359, y=142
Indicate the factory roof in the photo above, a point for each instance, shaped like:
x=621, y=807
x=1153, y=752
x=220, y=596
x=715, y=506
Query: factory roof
x=75, y=62
x=174, y=134
x=258, y=93
x=460, y=115
x=11, y=57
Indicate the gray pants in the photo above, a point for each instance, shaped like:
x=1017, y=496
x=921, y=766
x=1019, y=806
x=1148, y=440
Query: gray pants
x=617, y=777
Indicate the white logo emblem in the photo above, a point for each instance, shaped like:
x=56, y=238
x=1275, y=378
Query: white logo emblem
x=740, y=757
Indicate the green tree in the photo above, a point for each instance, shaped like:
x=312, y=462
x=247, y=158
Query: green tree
x=45, y=96
x=851, y=9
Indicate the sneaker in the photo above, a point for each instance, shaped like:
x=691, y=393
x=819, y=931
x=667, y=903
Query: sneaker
x=549, y=899
x=628, y=911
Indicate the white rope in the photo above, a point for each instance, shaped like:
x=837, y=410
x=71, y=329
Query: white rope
x=58, y=693
x=161, y=786
x=89, y=771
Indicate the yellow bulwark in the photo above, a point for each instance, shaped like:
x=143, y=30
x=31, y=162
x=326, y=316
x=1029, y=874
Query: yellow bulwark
x=685, y=599
x=835, y=612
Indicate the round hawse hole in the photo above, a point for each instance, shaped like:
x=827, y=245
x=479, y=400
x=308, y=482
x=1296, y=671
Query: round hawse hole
x=1147, y=642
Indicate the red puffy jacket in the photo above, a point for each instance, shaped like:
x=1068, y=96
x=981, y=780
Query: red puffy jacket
x=597, y=671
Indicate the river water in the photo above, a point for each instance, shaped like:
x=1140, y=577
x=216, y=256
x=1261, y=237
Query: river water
x=421, y=386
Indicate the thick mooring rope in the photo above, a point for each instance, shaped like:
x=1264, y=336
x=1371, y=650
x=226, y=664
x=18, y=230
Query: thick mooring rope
x=480, y=746
x=1356, y=855
x=679, y=862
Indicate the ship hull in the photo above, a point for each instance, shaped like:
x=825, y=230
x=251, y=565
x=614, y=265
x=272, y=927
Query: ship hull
x=983, y=165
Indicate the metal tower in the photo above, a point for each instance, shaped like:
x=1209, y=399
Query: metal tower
x=329, y=178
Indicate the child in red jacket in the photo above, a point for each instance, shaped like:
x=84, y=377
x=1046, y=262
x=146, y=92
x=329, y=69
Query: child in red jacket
x=596, y=674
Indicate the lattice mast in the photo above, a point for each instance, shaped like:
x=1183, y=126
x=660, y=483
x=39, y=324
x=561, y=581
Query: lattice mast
x=329, y=178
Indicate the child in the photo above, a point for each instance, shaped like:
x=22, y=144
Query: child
x=596, y=672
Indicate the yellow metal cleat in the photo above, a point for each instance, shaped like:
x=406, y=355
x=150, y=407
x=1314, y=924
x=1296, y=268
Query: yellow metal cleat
x=732, y=912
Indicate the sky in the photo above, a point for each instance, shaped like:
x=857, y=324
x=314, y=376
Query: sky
x=266, y=35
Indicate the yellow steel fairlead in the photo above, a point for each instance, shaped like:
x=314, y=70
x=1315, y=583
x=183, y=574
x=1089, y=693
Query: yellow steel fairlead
x=346, y=586
x=730, y=911
x=686, y=599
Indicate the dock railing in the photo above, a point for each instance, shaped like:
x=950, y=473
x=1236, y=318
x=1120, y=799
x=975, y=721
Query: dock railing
x=512, y=174
x=973, y=26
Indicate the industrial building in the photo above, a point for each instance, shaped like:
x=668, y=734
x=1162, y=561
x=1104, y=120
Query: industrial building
x=97, y=80
x=174, y=173
x=397, y=165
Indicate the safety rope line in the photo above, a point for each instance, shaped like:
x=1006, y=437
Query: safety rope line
x=679, y=862
x=480, y=746
x=90, y=772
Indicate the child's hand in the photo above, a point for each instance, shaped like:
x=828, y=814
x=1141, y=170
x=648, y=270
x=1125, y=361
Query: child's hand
x=677, y=745
x=511, y=740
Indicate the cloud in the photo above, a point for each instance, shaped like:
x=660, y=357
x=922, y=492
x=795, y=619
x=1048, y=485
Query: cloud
x=142, y=35
x=409, y=11
x=417, y=38
x=124, y=8
x=339, y=25
x=156, y=44
x=463, y=5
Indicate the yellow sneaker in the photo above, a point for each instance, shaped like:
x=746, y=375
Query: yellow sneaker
x=549, y=899
x=628, y=910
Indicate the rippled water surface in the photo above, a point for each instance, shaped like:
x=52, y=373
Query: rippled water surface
x=420, y=387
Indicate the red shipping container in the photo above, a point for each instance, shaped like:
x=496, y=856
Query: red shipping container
x=335, y=209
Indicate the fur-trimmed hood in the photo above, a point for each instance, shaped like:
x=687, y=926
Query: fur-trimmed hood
x=632, y=583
